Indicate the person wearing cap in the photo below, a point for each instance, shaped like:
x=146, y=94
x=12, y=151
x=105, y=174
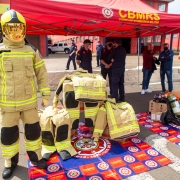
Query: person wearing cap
x=99, y=48
x=84, y=56
x=118, y=57
x=149, y=66
x=166, y=60
x=72, y=55
x=105, y=64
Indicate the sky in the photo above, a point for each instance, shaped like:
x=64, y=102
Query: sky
x=174, y=7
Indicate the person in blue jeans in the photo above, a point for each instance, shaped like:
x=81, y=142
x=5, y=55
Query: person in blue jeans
x=166, y=60
x=99, y=48
x=149, y=66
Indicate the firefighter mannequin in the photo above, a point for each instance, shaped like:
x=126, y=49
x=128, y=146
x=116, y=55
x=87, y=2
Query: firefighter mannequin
x=19, y=65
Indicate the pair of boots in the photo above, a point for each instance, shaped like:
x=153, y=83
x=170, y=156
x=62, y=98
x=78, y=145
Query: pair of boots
x=7, y=172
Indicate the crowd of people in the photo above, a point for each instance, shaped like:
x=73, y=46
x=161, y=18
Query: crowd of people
x=111, y=59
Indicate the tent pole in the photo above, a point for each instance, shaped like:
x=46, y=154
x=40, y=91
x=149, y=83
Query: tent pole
x=138, y=59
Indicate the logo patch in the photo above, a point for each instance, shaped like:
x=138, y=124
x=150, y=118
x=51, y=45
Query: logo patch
x=148, y=126
x=164, y=128
x=164, y=134
x=95, y=178
x=136, y=140
x=152, y=152
x=125, y=171
x=133, y=149
x=53, y=168
x=151, y=163
x=129, y=158
x=107, y=12
x=103, y=166
x=73, y=173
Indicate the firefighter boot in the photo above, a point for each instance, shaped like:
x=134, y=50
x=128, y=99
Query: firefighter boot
x=40, y=164
x=7, y=172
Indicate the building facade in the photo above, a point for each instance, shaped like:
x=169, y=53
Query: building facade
x=130, y=44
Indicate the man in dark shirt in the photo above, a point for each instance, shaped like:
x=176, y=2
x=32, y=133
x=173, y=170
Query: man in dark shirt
x=84, y=57
x=99, y=48
x=105, y=64
x=118, y=57
x=72, y=55
x=166, y=60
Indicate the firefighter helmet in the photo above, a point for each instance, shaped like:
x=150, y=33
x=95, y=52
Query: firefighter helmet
x=13, y=26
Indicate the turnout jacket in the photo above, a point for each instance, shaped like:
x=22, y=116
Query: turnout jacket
x=19, y=65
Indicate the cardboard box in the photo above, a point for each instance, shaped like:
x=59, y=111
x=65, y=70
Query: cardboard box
x=157, y=107
x=156, y=116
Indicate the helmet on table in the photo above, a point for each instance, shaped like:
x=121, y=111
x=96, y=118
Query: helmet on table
x=13, y=26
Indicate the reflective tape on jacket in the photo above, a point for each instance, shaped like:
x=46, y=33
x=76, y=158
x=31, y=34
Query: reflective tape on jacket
x=73, y=113
x=112, y=118
x=44, y=91
x=39, y=64
x=63, y=145
x=90, y=112
x=33, y=145
x=98, y=131
x=49, y=148
x=10, y=151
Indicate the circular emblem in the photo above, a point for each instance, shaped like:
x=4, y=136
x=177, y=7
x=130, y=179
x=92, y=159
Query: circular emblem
x=87, y=148
x=133, y=149
x=148, y=126
x=164, y=134
x=148, y=120
x=151, y=163
x=164, y=128
x=152, y=152
x=178, y=144
x=53, y=168
x=178, y=136
x=103, y=166
x=73, y=173
x=107, y=12
x=136, y=140
x=95, y=178
x=129, y=158
x=40, y=179
x=125, y=171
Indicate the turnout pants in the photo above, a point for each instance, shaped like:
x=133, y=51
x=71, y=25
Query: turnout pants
x=9, y=125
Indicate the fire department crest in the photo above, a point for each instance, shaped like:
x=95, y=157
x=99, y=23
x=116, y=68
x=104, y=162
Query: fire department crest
x=87, y=148
x=53, y=168
x=73, y=173
x=107, y=12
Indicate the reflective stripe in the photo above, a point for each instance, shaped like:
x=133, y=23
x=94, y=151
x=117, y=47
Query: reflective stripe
x=33, y=87
x=92, y=93
x=90, y=112
x=73, y=113
x=11, y=150
x=98, y=131
x=3, y=90
x=39, y=64
x=112, y=118
x=43, y=91
x=102, y=108
x=18, y=103
x=33, y=145
x=49, y=148
x=63, y=145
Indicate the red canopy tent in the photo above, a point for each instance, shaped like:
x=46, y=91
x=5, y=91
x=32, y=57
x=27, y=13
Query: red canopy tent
x=123, y=18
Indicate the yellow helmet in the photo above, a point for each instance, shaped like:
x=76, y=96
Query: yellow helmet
x=13, y=26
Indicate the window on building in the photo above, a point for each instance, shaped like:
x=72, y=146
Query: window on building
x=76, y=39
x=91, y=38
x=150, y=3
x=158, y=38
x=149, y=39
x=167, y=36
x=162, y=7
x=175, y=35
x=81, y=39
x=95, y=37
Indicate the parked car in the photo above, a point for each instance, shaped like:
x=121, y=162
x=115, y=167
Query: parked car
x=59, y=47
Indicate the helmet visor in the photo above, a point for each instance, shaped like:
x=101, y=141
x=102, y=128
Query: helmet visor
x=14, y=32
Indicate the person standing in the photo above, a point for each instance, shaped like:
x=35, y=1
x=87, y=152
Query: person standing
x=99, y=48
x=149, y=66
x=166, y=60
x=72, y=55
x=105, y=64
x=118, y=57
x=84, y=56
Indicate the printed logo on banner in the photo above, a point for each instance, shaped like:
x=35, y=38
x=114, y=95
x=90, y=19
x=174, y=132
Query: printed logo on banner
x=116, y=162
x=164, y=134
x=53, y=168
x=136, y=140
x=152, y=152
x=164, y=128
x=125, y=171
x=95, y=178
x=149, y=121
x=107, y=12
x=73, y=173
x=110, y=175
x=162, y=160
x=103, y=166
x=151, y=164
x=141, y=156
x=88, y=170
x=40, y=178
x=138, y=167
x=143, y=146
x=129, y=159
x=133, y=149
x=148, y=126
x=178, y=136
